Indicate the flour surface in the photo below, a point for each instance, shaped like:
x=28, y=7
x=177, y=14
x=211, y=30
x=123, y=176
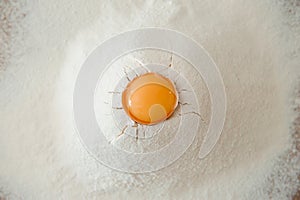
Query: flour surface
x=256, y=46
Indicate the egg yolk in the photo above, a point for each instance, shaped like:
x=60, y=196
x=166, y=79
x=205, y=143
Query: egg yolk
x=149, y=99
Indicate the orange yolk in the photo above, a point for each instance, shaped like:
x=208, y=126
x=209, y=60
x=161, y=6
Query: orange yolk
x=149, y=99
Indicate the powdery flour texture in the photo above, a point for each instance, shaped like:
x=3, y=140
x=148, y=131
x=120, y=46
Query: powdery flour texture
x=255, y=45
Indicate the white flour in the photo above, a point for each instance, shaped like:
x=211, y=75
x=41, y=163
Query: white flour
x=256, y=47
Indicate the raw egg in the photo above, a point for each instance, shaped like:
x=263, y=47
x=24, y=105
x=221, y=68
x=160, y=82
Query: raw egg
x=150, y=98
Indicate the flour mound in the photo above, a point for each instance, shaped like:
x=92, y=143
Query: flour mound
x=256, y=47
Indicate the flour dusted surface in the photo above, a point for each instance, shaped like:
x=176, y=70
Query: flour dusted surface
x=41, y=156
